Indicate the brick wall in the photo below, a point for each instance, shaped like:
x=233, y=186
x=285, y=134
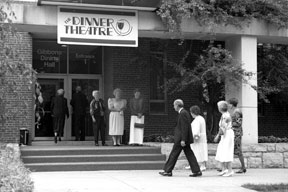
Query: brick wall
x=18, y=108
x=130, y=73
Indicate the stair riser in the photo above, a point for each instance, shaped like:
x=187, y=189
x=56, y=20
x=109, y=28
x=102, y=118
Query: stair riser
x=156, y=166
x=94, y=159
x=88, y=152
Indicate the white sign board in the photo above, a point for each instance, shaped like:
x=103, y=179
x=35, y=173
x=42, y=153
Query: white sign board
x=81, y=26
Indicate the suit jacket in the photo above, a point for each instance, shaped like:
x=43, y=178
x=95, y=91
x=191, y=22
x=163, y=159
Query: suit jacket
x=79, y=103
x=183, y=131
x=96, y=107
x=59, y=107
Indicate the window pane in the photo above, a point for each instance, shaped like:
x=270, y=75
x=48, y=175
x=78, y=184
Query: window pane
x=49, y=57
x=85, y=60
x=157, y=78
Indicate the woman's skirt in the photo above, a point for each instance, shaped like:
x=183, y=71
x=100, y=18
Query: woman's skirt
x=200, y=149
x=116, y=123
x=225, y=149
x=136, y=134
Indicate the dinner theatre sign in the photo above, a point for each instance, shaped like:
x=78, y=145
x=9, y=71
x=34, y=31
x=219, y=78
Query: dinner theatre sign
x=97, y=27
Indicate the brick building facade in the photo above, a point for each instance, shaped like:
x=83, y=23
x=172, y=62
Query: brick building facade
x=66, y=66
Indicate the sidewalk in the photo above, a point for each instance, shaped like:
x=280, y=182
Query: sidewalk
x=150, y=181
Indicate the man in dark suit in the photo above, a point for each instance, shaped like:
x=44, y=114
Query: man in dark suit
x=79, y=104
x=182, y=139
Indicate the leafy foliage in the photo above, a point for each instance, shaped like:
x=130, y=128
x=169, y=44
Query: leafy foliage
x=208, y=73
x=159, y=138
x=272, y=139
x=15, y=75
x=13, y=174
x=217, y=13
x=273, y=72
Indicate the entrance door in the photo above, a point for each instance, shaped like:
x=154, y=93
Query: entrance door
x=88, y=84
x=43, y=122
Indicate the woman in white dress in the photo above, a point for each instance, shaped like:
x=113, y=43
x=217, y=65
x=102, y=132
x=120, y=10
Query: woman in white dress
x=117, y=106
x=225, y=149
x=137, y=116
x=199, y=146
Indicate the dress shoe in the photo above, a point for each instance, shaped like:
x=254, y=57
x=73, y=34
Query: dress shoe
x=198, y=174
x=223, y=172
x=228, y=174
x=104, y=144
x=59, y=138
x=166, y=174
x=96, y=144
x=241, y=171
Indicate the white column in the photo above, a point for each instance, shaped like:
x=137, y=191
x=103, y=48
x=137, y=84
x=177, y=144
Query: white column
x=244, y=49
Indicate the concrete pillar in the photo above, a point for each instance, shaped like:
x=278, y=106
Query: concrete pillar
x=244, y=48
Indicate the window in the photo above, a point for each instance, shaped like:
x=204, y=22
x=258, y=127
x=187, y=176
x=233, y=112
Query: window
x=49, y=57
x=158, y=96
x=85, y=59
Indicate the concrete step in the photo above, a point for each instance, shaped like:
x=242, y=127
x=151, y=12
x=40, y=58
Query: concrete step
x=93, y=158
x=96, y=166
x=86, y=150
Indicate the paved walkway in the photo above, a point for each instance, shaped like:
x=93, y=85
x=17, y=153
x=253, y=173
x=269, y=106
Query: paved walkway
x=151, y=181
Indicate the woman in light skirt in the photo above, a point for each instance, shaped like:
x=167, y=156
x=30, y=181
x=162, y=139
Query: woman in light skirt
x=199, y=146
x=117, y=106
x=137, y=116
x=225, y=149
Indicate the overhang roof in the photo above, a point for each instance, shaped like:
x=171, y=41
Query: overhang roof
x=143, y=5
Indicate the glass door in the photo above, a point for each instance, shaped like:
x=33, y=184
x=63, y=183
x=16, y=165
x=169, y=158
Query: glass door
x=43, y=120
x=88, y=84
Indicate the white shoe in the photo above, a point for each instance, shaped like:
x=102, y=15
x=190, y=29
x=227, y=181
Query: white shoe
x=187, y=167
x=202, y=169
x=223, y=172
x=228, y=174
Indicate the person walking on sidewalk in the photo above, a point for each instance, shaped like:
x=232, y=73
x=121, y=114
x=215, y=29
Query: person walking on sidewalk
x=225, y=147
x=183, y=137
x=236, y=116
x=199, y=147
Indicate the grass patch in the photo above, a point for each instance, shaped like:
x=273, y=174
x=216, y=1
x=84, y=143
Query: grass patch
x=282, y=187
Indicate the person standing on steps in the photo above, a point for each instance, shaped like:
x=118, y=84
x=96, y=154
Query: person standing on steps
x=79, y=104
x=137, y=116
x=183, y=137
x=59, y=110
x=97, y=112
x=236, y=116
x=116, y=106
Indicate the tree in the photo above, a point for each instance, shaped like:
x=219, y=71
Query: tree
x=216, y=64
x=15, y=74
x=209, y=73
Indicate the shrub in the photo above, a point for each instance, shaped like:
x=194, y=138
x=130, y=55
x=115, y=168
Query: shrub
x=272, y=139
x=170, y=139
x=13, y=174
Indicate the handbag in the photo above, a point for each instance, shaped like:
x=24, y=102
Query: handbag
x=139, y=125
